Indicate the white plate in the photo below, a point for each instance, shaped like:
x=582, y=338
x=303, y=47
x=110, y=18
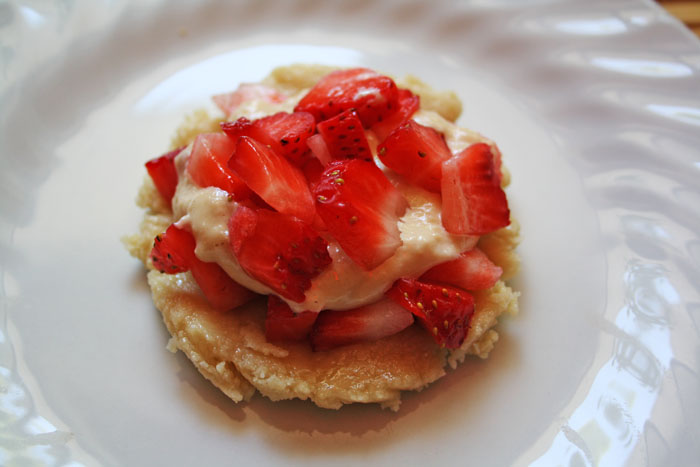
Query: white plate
x=596, y=107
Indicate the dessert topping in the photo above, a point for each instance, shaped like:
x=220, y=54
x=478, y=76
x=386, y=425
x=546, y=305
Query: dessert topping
x=164, y=174
x=372, y=95
x=473, y=270
x=279, y=250
x=444, y=311
x=473, y=202
x=366, y=323
x=345, y=137
x=361, y=209
x=416, y=152
x=173, y=252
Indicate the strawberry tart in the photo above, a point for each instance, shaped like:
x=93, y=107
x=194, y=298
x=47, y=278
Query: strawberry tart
x=333, y=237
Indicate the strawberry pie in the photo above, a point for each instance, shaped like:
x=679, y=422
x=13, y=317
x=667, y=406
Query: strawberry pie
x=333, y=237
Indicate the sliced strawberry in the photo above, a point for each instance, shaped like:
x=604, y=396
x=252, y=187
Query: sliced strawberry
x=282, y=324
x=236, y=129
x=444, y=311
x=173, y=252
x=335, y=328
x=284, y=132
x=312, y=169
x=272, y=177
x=222, y=292
x=497, y=163
x=164, y=174
x=361, y=208
x=241, y=227
x=473, y=202
x=278, y=250
x=372, y=95
x=408, y=104
x=416, y=152
x=208, y=165
x=345, y=136
x=473, y=270
x=230, y=101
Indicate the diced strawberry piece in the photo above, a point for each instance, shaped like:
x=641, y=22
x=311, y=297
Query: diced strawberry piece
x=312, y=169
x=473, y=202
x=241, y=227
x=472, y=270
x=285, y=133
x=208, y=165
x=278, y=250
x=236, y=129
x=230, y=101
x=222, y=292
x=361, y=208
x=372, y=95
x=408, y=104
x=173, y=252
x=335, y=328
x=416, y=152
x=272, y=177
x=163, y=173
x=345, y=136
x=444, y=311
x=282, y=324
x=497, y=163
x=319, y=149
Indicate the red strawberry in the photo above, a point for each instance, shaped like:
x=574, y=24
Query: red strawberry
x=282, y=324
x=473, y=202
x=360, y=208
x=473, y=270
x=312, y=169
x=334, y=328
x=372, y=95
x=416, y=152
x=497, y=163
x=208, y=165
x=228, y=102
x=285, y=133
x=278, y=250
x=234, y=130
x=173, y=252
x=408, y=104
x=273, y=178
x=163, y=173
x=444, y=311
x=345, y=136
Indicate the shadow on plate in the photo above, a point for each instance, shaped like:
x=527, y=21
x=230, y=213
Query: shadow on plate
x=296, y=425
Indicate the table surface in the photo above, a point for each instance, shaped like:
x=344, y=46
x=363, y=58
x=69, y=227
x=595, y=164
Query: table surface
x=687, y=11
